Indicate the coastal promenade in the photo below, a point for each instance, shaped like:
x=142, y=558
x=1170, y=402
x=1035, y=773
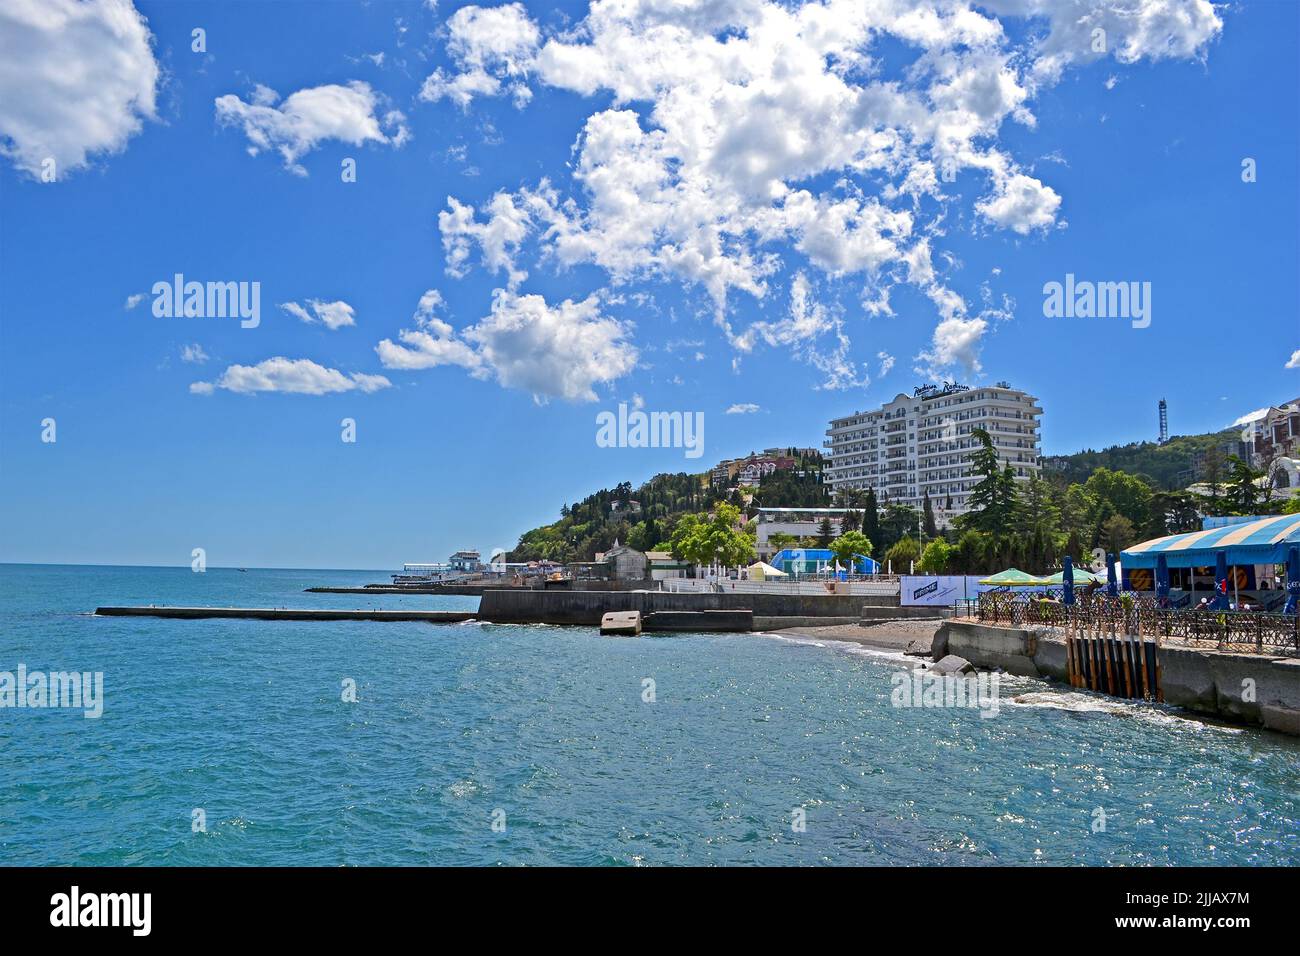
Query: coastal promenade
x=1244, y=688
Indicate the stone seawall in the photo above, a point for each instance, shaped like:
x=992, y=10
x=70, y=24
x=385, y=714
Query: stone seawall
x=586, y=607
x=1243, y=688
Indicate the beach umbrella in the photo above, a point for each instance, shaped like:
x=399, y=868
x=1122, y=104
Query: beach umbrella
x=1067, y=578
x=1162, y=581
x=1081, y=577
x=1292, y=581
x=1220, y=602
x=1112, y=585
x=1014, y=578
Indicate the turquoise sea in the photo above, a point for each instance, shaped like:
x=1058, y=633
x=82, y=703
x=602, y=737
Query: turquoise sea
x=547, y=731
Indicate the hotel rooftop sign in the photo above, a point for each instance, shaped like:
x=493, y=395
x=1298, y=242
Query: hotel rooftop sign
x=935, y=391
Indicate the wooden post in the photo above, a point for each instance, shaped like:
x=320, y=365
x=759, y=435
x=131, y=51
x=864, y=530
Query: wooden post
x=1078, y=661
x=1080, y=649
x=1075, y=630
x=1128, y=674
x=1111, y=685
x=1096, y=661
x=1086, y=674
x=1142, y=650
x=1106, y=670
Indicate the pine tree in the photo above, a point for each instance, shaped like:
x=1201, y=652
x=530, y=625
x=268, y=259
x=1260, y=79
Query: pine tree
x=992, y=500
x=825, y=533
x=931, y=530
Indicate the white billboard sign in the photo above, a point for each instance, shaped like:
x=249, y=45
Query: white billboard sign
x=942, y=590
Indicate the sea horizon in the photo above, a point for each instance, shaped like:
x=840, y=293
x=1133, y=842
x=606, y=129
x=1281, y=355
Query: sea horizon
x=186, y=566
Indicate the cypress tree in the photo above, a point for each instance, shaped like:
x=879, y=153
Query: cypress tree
x=871, y=517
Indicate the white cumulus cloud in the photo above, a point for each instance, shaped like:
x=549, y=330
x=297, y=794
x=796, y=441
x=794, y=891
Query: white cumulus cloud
x=311, y=116
x=492, y=48
x=333, y=315
x=551, y=351
x=734, y=145
x=293, y=376
x=955, y=342
x=1021, y=204
x=77, y=79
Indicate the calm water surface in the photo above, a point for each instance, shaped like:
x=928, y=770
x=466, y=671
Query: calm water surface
x=245, y=720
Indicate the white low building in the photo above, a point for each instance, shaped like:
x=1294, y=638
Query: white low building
x=796, y=522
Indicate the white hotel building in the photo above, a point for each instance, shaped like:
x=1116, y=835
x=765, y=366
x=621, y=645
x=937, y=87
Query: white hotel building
x=923, y=443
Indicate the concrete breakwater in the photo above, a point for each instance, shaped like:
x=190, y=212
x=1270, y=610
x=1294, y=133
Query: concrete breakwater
x=286, y=614
x=463, y=589
x=1242, y=688
x=663, y=611
x=586, y=607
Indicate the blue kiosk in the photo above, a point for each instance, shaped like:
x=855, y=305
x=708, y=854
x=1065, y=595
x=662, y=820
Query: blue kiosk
x=1266, y=541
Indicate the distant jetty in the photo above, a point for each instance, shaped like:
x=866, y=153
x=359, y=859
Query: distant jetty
x=473, y=590
x=287, y=614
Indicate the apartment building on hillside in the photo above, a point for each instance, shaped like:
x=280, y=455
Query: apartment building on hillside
x=922, y=443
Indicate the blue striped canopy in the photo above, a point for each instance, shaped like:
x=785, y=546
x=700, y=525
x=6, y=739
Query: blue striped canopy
x=1255, y=542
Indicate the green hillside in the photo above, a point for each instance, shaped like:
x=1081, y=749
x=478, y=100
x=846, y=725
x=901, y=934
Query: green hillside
x=1168, y=467
x=1109, y=498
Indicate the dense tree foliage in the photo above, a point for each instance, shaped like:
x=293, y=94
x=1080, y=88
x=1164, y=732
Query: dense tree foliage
x=849, y=544
x=935, y=557
x=1166, y=467
x=1093, y=500
x=902, y=554
x=597, y=521
x=789, y=489
x=707, y=539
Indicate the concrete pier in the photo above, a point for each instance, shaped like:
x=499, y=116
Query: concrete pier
x=587, y=607
x=287, y=614
x=471, y=590
x=699, y=621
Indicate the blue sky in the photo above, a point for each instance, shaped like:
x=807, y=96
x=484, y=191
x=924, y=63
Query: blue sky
x=619, y=143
